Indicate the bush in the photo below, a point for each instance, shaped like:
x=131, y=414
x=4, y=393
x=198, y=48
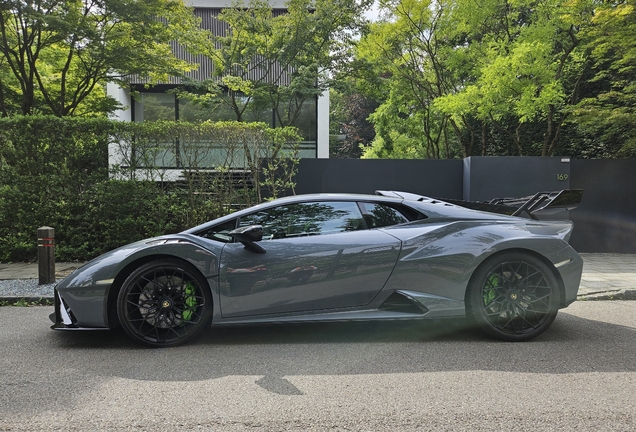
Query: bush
x=55, y=172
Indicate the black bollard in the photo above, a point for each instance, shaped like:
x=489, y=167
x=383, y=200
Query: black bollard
x=46, y=255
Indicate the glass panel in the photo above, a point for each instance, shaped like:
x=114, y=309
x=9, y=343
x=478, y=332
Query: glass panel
x=304, y=219
x=200, y=112
x=161, y=106
x=256, y=113
x=306, y=121
x=307, y=150
x=219, y=232
x=210, y=154
x=159, y=156
x=378, y=215
x=154, y=106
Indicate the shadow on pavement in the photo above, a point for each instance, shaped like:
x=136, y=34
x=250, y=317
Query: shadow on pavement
x=59, y=368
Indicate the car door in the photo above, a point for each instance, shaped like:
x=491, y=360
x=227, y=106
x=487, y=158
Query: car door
x=319, y=255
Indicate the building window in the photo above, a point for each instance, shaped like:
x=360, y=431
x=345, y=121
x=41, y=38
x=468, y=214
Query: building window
x=196, y=112
x=153, y=106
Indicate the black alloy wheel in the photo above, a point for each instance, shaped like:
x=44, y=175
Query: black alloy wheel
x=513, y=296
x=164, y=303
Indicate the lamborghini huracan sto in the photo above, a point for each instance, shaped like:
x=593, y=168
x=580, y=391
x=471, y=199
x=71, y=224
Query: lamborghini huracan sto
x=337, y=257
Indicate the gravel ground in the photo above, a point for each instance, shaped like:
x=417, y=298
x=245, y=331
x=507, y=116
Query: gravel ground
x=25, y=288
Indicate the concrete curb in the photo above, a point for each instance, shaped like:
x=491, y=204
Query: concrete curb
x=612, y=295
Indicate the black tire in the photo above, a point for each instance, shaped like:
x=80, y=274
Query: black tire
x=164, y=303
x=513, y=296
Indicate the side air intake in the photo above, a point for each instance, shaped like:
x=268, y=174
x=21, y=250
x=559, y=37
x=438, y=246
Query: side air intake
x=398, y=302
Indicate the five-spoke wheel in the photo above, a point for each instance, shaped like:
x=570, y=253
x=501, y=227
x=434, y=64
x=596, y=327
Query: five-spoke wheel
x=513, y=296
x=164, y=303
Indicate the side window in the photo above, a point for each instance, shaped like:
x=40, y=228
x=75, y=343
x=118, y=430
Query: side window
x=305, y=219
x=379, y=215
x=219, y=232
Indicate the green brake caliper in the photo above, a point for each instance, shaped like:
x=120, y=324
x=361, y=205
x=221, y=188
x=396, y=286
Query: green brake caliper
x=190, y=301
x=489, y=291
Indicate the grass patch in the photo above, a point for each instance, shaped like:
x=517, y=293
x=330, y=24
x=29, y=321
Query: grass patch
x=26, y=302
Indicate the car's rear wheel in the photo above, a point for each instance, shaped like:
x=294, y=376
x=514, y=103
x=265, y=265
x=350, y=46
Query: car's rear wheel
x=164, y=303
x=513, y=296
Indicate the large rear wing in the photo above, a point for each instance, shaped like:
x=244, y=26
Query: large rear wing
x=539, y=204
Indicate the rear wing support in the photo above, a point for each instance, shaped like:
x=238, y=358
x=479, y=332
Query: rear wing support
x=539, y=204
x=542, y=203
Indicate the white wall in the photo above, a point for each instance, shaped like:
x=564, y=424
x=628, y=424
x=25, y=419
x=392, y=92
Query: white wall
x=123, y=97
x=323, y=126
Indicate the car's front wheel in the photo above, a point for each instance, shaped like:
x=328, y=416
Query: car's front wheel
x=164, y=303
x=513, y=296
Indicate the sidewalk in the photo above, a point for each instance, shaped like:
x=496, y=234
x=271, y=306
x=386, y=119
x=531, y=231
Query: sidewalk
x=30, y=270
x=605, y=277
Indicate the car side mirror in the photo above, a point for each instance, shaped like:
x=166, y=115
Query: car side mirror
x=249, y=235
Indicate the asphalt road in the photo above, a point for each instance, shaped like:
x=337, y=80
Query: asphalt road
x=580, y=375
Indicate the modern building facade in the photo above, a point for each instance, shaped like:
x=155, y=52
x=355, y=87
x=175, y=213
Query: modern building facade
x=157, y=102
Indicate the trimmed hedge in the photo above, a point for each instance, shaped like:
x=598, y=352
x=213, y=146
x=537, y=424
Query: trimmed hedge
x=54, y=172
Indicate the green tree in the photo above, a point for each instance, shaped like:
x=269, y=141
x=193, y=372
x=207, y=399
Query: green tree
x=267, y=60
x=56, y=53
x=349, y=117
x=527, y=72
x=607, y=112
x=454, y=73
x=416, y=59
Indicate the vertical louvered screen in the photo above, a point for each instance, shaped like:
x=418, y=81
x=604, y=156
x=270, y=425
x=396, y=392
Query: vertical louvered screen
x=205, y=70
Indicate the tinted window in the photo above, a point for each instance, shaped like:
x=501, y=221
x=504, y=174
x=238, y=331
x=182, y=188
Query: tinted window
x=219, y=232
x=304, y=219
x=379, y=215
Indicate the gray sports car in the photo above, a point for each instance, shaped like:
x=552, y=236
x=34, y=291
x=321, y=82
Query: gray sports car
x=334, y=257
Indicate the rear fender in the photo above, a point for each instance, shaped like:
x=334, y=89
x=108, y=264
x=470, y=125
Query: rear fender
x=441, y=262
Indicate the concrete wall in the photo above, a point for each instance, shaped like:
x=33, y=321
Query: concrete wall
x=606, y=219
x=512, y=176
x=433, y=178
x=605, y=222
